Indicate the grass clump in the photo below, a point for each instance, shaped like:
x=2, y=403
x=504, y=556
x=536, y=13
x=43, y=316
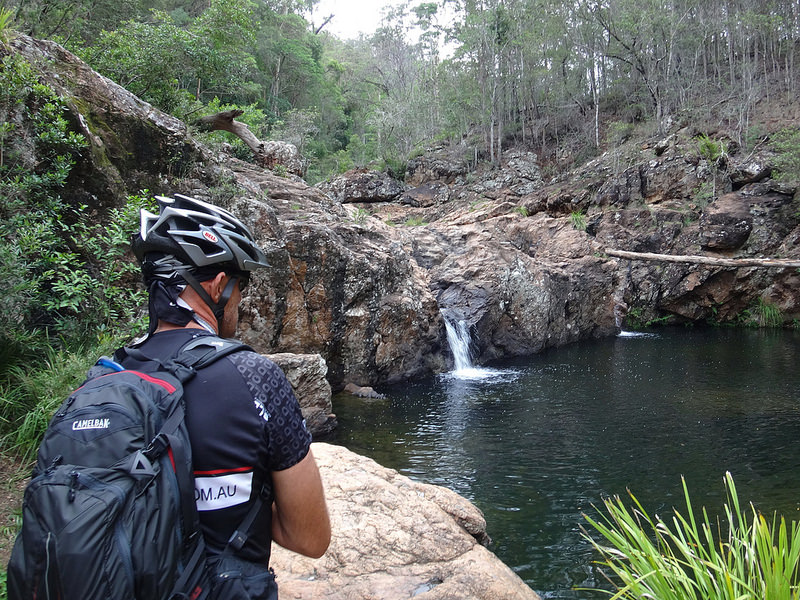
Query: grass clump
x=578, y=220
x=414, y=222
x=745, y=557
x=762, y=313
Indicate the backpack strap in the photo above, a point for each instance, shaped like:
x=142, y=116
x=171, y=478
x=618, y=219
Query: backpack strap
x=202, y=351
x=240, y=535
x=195, y=354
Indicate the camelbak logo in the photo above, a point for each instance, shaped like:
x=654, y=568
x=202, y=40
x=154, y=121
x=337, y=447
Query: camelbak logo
x=91, y=424
x=210, y=237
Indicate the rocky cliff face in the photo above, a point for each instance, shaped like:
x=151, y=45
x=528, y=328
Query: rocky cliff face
x=365, y=268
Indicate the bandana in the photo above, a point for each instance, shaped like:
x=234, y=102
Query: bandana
x=164, y=304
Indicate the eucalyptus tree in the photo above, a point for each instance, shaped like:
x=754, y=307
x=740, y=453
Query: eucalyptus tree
x=642, y=38
x=483, y=31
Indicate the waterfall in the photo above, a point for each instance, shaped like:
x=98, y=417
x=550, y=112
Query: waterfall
x=458, y=338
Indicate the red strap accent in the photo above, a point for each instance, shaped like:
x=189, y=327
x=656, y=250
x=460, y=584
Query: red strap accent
x=222, y=471
x=160, y=382
x=171, y=458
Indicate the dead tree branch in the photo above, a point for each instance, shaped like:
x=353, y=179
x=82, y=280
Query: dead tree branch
x=779, y=263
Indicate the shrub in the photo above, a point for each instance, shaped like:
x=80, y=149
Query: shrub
x=787, y=163
x=414, y=222
x=65, y=273
x=749, y=557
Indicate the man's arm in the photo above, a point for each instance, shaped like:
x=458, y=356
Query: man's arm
x=300, y=519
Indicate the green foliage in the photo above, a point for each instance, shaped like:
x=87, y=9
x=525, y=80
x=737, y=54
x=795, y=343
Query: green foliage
x=360, y=216
x=638, y=319
x=522, y=211
x=746, y=556
x=64, y=271
x=787, y=163
x=395, y=168
x=709, y=149
x=619, y=132
x=297, y=126
x=172, y=66
x=761, y=313
x=30, y=393
x=6, y=21
x=578, y=220
x=704, y=193
x=414, y=222
x=148, y=59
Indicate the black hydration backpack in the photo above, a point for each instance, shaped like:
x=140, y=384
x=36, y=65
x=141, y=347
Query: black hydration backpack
x=110, y=511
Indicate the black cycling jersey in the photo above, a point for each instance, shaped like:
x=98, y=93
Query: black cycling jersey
x=244, y=422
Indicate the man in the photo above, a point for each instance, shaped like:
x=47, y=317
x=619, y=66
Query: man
x=248, y=436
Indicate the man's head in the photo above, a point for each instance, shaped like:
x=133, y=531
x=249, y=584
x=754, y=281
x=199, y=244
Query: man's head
x=195, y=244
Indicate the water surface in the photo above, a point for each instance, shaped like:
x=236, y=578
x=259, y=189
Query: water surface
x=536, y=442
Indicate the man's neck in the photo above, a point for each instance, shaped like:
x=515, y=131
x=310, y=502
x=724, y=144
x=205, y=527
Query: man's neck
x=165, y=326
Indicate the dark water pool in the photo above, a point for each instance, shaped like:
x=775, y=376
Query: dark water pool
x=536, y=442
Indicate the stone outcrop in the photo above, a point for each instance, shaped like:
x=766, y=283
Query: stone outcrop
x=726, y=223
x=306, y=373
x=277, y=153
x=362, y=185
x=394, y=538
x=131, y=145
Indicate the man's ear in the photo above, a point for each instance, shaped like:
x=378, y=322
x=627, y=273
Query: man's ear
x=217, y=286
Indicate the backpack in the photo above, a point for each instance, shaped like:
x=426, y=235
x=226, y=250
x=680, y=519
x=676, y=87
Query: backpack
x=110, y=510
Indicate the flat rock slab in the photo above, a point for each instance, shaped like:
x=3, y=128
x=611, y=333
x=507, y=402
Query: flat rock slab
x=395, y=538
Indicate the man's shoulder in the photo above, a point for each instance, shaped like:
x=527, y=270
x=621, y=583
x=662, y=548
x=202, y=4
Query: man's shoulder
x=249, y=359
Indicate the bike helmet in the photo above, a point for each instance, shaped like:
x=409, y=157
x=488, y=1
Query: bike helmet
x=187, y=242
x=192, y=234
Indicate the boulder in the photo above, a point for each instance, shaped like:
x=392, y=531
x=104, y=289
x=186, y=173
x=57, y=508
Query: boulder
x=363, y=185
x=444, y=164
x=726, y=223
x=394, y=538
x=306, y=373
x=425, y=195
x=363, y=391
x=278, y=153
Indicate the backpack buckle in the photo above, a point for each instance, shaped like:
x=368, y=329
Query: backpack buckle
x=141, y=465
x=237, y=540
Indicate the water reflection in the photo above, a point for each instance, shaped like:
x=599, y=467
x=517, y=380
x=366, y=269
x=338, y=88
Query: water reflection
x=536, y=442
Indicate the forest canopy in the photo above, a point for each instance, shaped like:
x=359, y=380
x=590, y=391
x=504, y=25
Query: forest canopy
x=566, y=78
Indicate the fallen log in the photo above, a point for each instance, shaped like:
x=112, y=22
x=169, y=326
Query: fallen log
x=226, y=121
x=267, y=154
x=779, y=263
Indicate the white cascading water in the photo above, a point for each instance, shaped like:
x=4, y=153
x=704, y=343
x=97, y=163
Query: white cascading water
x=458, y=338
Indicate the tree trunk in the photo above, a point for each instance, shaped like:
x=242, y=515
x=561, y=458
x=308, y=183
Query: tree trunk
x=780, y=263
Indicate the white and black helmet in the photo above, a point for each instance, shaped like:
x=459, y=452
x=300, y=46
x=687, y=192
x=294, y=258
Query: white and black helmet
x=189, y=234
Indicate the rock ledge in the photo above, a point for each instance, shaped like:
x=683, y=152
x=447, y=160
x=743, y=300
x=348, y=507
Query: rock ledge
x=395, y=538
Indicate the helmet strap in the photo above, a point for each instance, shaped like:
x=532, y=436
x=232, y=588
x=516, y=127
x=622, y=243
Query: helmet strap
x=218, y=308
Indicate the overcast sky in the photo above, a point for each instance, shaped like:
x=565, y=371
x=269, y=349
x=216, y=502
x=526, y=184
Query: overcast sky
x=351, y=16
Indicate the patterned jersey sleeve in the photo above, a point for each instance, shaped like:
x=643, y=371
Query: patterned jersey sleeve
x=287, y=437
